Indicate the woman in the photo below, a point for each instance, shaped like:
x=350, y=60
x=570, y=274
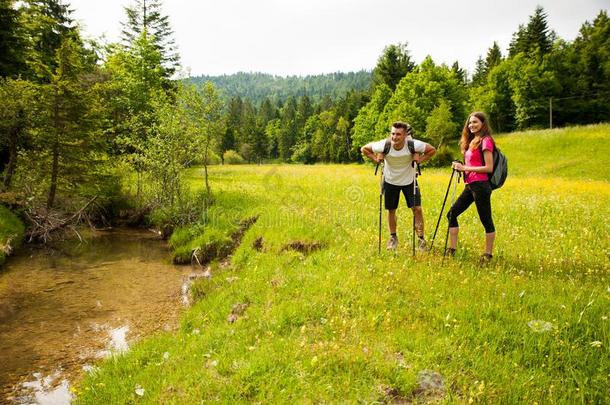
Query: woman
x=477, y=146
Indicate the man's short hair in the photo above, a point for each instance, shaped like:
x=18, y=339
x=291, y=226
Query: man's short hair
x=408, y=128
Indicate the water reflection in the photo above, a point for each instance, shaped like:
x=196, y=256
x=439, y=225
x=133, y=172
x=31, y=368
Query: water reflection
x=62, y=309
x=44, y=391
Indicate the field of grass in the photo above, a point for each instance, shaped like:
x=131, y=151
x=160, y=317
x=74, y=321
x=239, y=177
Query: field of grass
x=307, y=311
x=11, y=232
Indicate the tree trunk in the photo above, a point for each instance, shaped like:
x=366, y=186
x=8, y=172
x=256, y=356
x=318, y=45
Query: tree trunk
x=12, y=158
x=205, y=165
x=54, y=175
x=55, y=152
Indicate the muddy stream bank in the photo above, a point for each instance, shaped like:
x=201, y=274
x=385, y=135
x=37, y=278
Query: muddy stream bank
x=62, y=310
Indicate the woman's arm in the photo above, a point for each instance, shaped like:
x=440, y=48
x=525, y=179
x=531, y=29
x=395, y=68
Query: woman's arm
x=488, y=168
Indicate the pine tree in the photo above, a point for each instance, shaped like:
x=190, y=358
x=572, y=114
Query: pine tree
x=266, y=112
x=248, y=130
x=538, y=34
x=16, y=118
x=590, y=70
x=47, y=23
x=145, y=16
x=288, y=135
x=69, y=136
x=304, y=111
x=533, y=39
x=393, y=65
x=12, y=58
x=459, y=72
x=478, y=77
x=493, y=58
x=519, y=42
x=231, y=138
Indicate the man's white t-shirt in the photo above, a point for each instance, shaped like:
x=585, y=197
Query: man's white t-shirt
x=397, y=169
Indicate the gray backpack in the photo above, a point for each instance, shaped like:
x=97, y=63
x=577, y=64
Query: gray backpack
x=388, y=145
x=500, y=170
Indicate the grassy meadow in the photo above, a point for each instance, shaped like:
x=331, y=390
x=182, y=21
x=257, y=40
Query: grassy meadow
x=307, y=311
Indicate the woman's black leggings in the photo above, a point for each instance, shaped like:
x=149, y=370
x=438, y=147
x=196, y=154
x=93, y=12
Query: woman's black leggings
x=478, y=192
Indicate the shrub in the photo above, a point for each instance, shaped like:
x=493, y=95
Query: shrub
x=189, y=210
x=213, y=159
x=233, y=158
x=442, y=158
x=301, y=153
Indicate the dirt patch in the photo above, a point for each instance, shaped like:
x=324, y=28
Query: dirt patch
x=237, y=311
x=430, y=390
x=258, y=244
x=220, y=249
x=302, y=246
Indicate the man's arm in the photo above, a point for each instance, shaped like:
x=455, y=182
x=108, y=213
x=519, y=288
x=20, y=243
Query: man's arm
x=367, y=150
x=428, y=153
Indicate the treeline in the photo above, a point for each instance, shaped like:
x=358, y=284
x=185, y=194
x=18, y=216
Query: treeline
x=101, y=128
x=257, y=87
x=543, y=80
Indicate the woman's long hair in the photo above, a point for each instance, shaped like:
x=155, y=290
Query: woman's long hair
x=467, y=136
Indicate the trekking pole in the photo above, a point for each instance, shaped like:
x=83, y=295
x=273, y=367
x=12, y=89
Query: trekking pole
x=416, y=168
x=449, y=218
x=380, y=199
x=442, y=209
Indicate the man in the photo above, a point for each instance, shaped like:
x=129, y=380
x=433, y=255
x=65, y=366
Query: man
x=398, y=175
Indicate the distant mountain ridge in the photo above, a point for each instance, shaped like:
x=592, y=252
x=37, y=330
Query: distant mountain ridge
x=257, y=86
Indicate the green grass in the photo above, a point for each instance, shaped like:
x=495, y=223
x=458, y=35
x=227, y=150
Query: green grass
x=11, y=232
x=340, y=323
x=572, y=153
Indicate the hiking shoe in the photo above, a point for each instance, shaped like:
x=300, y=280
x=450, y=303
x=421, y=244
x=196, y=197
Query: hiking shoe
x=485, y=259
x=392, y=242
x=422, y=245
x=450, y=252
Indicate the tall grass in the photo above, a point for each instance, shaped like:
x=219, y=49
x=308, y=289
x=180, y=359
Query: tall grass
x=309, y=312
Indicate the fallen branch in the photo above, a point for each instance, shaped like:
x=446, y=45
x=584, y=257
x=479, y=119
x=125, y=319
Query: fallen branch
x=46, y=223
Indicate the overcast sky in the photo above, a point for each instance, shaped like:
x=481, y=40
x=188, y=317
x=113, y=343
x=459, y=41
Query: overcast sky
x=301, y=37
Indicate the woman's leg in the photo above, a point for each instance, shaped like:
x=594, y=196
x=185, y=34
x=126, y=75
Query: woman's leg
x=482, y=199
x=459, y=206
x=489, y=242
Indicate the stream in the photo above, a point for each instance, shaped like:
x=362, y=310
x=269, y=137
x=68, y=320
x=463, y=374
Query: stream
x=62, y=310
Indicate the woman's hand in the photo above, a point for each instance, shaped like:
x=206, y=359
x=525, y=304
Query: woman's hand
x=457, y=166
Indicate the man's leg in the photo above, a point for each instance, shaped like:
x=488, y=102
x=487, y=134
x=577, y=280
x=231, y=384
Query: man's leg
x=418, y=212
x=392, y=221
x=393, y=241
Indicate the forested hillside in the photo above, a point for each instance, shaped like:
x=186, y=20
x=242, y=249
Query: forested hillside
x=258, y=86
x=540, y=81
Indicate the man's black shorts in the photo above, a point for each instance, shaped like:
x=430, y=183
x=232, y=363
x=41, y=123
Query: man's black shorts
x=392, y=195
